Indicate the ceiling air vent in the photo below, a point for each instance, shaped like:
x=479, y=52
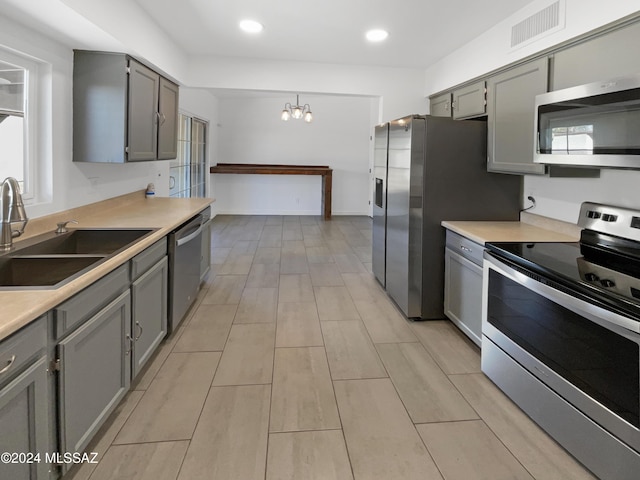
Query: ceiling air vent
x=547, y=20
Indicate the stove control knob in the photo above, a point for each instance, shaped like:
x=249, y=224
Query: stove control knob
x=593, y=214
x=607, y=217
x=607, y=283
x=591, y=277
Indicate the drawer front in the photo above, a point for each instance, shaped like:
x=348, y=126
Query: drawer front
x=24, y=345
x=70, y=314
x=147, y=259
x=465, y=247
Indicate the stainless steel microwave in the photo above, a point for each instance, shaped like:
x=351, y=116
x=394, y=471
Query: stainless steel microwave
x=594, y=125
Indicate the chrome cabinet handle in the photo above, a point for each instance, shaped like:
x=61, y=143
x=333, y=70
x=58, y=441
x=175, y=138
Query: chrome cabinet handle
x=126, y=354
x=8, y=365
x=141, y=330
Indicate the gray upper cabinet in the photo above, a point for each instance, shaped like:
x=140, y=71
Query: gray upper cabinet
x=469, y=101
x=24, y=402
x=122, y=110
x=143, y=122
x=510, y=110
x=440, y=106
x=168, y=120
x=598, y=59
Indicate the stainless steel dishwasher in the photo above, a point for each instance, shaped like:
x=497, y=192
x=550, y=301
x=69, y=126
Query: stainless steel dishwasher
x=185, y=249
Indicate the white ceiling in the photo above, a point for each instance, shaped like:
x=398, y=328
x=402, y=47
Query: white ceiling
x=326, y=31
x=329, y=31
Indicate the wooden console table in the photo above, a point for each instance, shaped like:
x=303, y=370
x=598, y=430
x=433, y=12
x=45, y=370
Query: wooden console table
x=271, y=169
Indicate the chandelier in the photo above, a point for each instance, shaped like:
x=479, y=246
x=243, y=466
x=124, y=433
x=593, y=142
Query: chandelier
x=296, y=111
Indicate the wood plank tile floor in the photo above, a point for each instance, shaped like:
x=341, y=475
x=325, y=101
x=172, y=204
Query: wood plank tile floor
x=294, y=364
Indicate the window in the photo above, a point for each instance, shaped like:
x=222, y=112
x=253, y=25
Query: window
x=18, y=120
x=12, y=113
x=187, y=174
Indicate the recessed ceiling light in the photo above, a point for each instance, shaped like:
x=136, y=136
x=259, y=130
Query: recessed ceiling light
x=377, y=35
x=251, y=26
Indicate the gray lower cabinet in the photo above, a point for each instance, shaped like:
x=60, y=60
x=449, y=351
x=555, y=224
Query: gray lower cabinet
x=92, y=335
x=205, y=257
x=463, y=285
x=470, y=101
x=510, y=111
x=105, y=334
x=440, y=106
x=24, y=403
x=149, y=313
x=604, y=57
x=94, y=373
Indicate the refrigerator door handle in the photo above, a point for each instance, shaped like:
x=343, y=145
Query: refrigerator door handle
x=379, y=192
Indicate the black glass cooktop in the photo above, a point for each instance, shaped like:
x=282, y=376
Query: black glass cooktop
x=597, y=268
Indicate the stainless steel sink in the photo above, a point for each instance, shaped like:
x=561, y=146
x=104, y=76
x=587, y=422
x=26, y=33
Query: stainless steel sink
x=83, y=241
x=41, y=271
x=52, y=259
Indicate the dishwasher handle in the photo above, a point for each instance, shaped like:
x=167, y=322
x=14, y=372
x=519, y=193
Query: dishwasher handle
x=189, y=231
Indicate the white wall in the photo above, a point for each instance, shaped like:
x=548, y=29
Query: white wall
x=492, y=49
x=556, y=197
x=398, y=91
x=401, y=90
x=251, y=131
x=126, y=21
x=69, y=184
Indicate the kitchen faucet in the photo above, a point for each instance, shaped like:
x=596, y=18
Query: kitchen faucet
x=12, y=211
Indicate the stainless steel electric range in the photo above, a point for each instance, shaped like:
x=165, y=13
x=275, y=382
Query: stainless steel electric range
x=561, y=336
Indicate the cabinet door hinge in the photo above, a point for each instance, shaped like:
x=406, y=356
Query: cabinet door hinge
x=54, y=366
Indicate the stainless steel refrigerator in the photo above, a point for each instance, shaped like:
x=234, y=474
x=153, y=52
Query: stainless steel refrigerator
x=429, y=169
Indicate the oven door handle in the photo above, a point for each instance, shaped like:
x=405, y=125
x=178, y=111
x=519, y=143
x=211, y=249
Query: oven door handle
x=599, y=315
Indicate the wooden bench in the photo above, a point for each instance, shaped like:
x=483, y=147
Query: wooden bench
x=272, y=169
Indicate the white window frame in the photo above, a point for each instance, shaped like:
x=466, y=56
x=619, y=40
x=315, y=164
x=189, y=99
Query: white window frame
x=30, y=126
x=192, y=118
